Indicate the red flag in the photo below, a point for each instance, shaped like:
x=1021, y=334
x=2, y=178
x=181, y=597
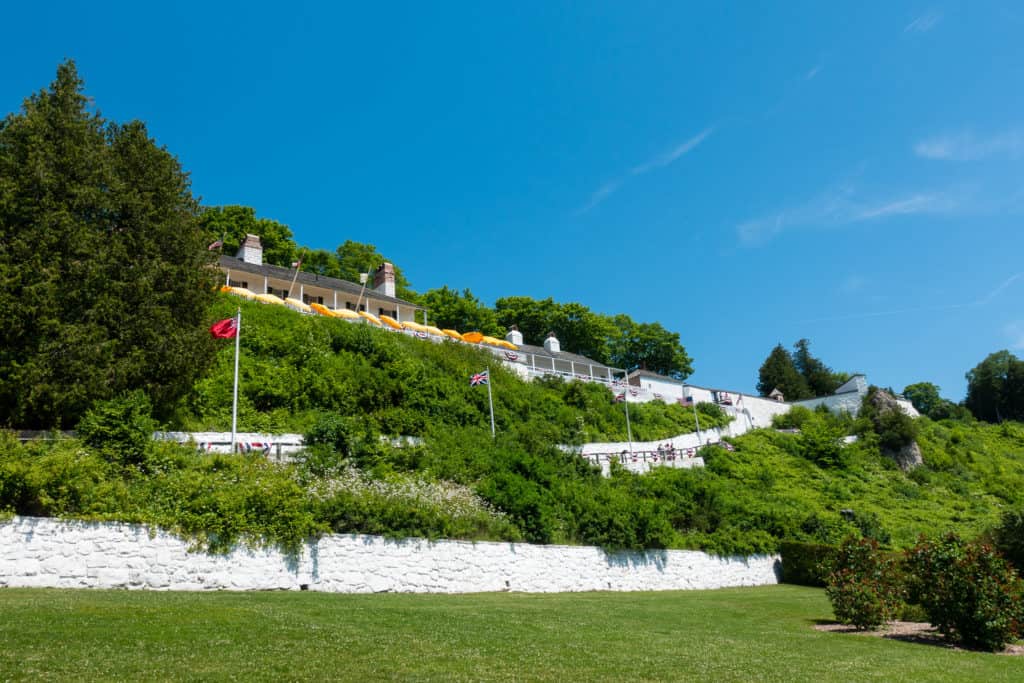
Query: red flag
x=224, y=329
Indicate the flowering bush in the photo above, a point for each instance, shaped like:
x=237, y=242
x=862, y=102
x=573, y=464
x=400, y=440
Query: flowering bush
x=971, y=594
x=403, y=505
x=863, y=584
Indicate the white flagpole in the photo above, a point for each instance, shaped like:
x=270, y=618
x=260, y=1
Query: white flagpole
x=490, y=399
x=629, y=431
x=234, y=402
x=291, y=288
x=695, y=420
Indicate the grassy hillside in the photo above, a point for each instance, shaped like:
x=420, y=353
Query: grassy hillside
x=346, y=385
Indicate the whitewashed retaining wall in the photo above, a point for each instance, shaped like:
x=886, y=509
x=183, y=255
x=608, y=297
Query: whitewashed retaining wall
x=66, y=554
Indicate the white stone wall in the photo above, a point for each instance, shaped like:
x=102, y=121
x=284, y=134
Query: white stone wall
x=67, y=554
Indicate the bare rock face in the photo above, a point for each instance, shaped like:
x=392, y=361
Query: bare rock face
x=907, y=456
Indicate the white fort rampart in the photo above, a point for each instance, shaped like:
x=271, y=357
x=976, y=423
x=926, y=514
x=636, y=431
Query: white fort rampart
x=69, y=554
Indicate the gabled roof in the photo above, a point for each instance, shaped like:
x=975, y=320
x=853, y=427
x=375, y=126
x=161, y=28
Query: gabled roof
x=653, y=375
x=563, y=355
x=279, y=273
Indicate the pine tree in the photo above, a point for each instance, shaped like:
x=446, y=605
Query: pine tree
x=779, y=372
x=105, y=281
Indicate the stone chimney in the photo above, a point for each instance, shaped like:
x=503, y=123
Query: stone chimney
x=514, y=336
x=251, y=251
x=551, y=344
x=384, y=280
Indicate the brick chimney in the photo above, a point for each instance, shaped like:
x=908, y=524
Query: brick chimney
x=551, y=344
x=251, y=250
x=384, y=280
x=514, y=336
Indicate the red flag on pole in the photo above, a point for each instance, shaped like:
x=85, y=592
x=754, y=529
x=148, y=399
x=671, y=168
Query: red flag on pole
x=224, y=329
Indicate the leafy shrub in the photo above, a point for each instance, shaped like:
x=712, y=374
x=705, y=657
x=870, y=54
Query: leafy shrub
x=121, y=429
x=862, y=584
x=794, y=419
x=969, y=592
x=349, y=437
x=1009, y=537
x=821, y=441
x=802, y=562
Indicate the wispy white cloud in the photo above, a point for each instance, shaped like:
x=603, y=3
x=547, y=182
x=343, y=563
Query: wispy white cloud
x=999, y=290
x=660, y=161
x=924, y=23
x=1015, y=331
x=966, y=146
x=918, y=203
x=841, y=206
x=599, y=195
x=668, y=157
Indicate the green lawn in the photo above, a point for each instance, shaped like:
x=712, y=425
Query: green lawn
x=739, y=634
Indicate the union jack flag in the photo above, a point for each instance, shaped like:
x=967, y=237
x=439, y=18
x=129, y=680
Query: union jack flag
x=478, y=379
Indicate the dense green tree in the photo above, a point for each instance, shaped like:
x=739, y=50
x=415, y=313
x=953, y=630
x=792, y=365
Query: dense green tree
x=649, y=346
x=924, y=396
x=995, y=388
x=355, y=258
x=779, y=372
x=105, y=282
x=232, y=223
x=463, y=312
x=926, y=399
x=578, y=329
x=320, y=261
x=819, y=377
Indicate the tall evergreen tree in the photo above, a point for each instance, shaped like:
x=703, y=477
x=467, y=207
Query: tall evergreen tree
x=779, y=372
x=995, y=388
x=105, y=280
x=819, y=377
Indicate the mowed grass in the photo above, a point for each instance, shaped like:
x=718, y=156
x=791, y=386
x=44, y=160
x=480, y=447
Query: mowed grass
x=742, y=634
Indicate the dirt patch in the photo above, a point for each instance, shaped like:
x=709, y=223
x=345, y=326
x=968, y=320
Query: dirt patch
x=910, y=632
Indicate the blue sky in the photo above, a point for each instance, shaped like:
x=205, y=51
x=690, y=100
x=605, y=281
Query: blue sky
x=852, y=173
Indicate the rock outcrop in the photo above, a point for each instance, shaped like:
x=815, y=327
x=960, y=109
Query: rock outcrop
x=895, y=429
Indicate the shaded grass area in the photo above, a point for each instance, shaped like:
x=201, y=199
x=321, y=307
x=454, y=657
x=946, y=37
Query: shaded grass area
x=735, y=634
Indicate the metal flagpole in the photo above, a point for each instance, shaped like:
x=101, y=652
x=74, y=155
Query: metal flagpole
x=695, y=420
x=490, y=399
x=629, y=431
x=234, y=403
x=296, y=277
x=363, y=277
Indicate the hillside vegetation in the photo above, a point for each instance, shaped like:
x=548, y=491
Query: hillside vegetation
x=346, y=385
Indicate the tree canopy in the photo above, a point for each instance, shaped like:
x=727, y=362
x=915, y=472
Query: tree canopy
x=355, y=258
x=926, y=399
x=820, y=378
x=798, y=375
x=619, y=341
x=232, y=223
x=995, y=388
x=105, y=279
x=463, y=312
x=779, y=372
